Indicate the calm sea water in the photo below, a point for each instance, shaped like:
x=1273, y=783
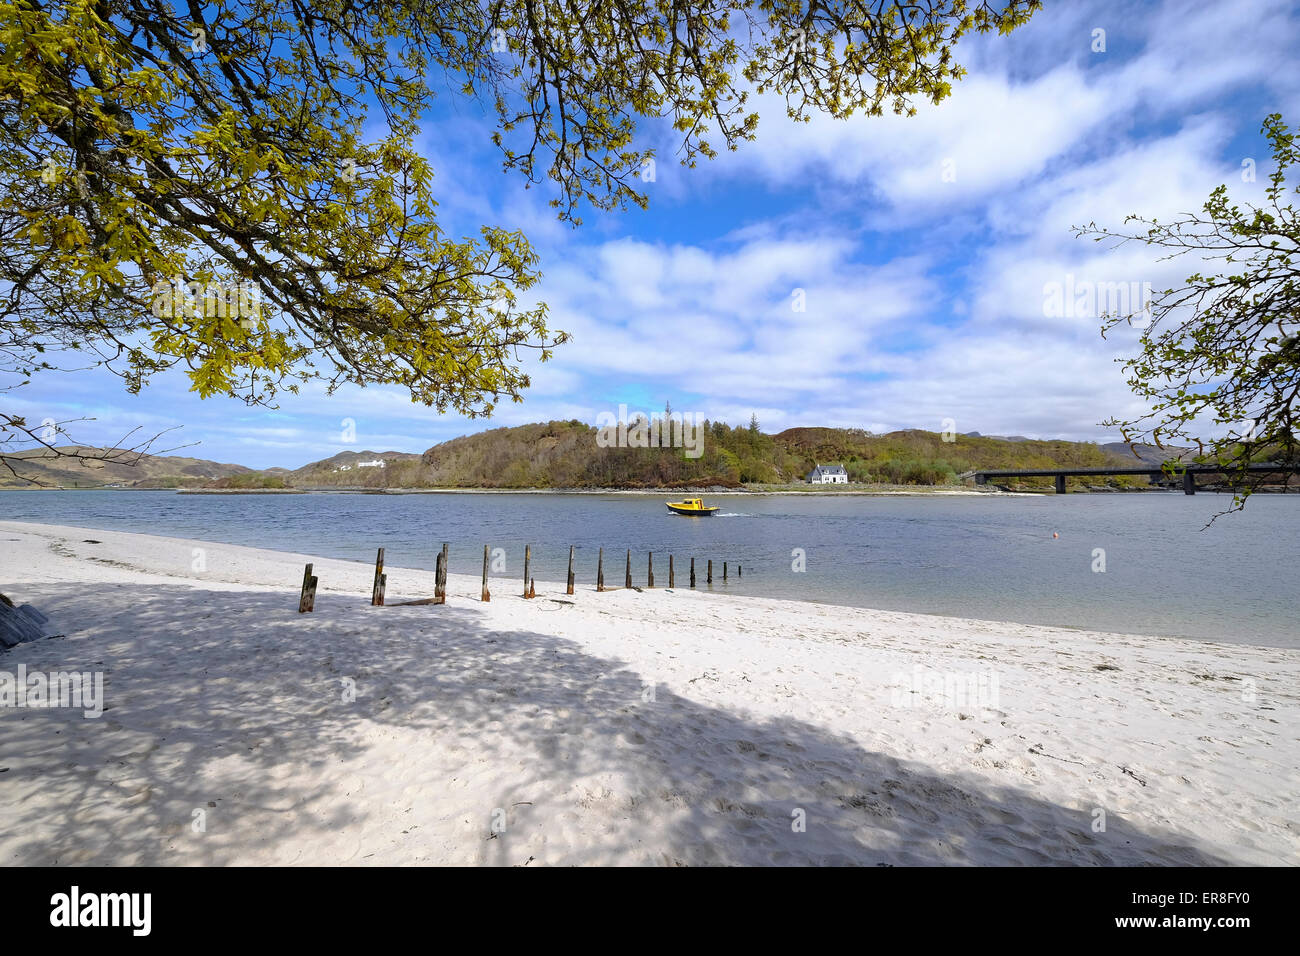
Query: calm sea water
x=979, y=556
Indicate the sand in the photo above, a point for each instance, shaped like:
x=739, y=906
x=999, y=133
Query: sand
x=651, y=727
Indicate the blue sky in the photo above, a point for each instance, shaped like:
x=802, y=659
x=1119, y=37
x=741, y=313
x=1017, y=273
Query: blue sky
x=924, y=292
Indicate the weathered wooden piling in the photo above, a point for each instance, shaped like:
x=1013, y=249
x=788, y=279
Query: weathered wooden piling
x=650, y=571
x=627, y=580
x=738, y=571
x=692, y=572
x=600, y=571
x=671, y=582
x=569, y=590
x=307, y=599
x=528, y=560
x=383, y=587
x=532, y=589
x=486, y=595
x=710, y=579
x=724, y=570
x=440, y=578
x=376, y=593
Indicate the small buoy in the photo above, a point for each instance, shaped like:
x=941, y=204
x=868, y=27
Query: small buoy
x=1055, y=535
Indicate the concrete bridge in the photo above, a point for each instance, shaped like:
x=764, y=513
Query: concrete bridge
x=1188, y=474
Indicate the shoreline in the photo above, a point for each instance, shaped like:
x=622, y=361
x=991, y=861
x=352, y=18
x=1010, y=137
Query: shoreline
x=884, y=491
x=914, y=491
x=623, y=727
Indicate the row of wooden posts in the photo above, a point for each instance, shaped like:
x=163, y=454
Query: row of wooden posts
x=307, y=601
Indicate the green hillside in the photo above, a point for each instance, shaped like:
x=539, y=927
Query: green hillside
x=43, y=468
x=565, y=454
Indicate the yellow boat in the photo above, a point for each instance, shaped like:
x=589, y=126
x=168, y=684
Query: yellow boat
x=691, y=506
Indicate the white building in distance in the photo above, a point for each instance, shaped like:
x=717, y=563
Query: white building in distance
x=828, y=475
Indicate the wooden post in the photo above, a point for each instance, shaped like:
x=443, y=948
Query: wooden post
x=532, y=589
x=710, y=581
x=738, y=570
x=671, y=582
x=528, y=560
x=600, y=571
x=383, y=586
x=376, y=594
x=692, y=572
x=627, y=581
x=440, y=579
x=724, y=570
x=307, y=599
x=570, y=587
x=486, y=595
x=650, y=571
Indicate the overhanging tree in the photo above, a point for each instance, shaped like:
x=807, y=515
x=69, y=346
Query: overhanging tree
x=1222, y=350
x=189, y=184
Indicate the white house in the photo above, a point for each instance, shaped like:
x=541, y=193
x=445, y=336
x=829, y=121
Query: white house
x=828, y=475
x=374, y=463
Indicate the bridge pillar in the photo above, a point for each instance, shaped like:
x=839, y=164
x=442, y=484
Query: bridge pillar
x=1060, y=484
x=980, y=479
x=1189, y=483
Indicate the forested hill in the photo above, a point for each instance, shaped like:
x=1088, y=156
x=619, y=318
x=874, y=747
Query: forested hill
x=566, y=455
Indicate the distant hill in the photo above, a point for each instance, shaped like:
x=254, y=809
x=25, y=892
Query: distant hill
x=1140, y=455
x=565, y=454
x=370, y=469
x=562, y=454
x=151, y=471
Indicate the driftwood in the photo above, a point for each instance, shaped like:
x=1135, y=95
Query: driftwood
x=20, y=623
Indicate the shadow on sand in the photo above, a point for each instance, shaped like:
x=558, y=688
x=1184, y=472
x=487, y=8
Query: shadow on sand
x=230, y=702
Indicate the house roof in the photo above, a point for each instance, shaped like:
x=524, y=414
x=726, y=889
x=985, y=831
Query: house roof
x=830, y=469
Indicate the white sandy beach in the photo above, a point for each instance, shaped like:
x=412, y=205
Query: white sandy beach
x=628, y=727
